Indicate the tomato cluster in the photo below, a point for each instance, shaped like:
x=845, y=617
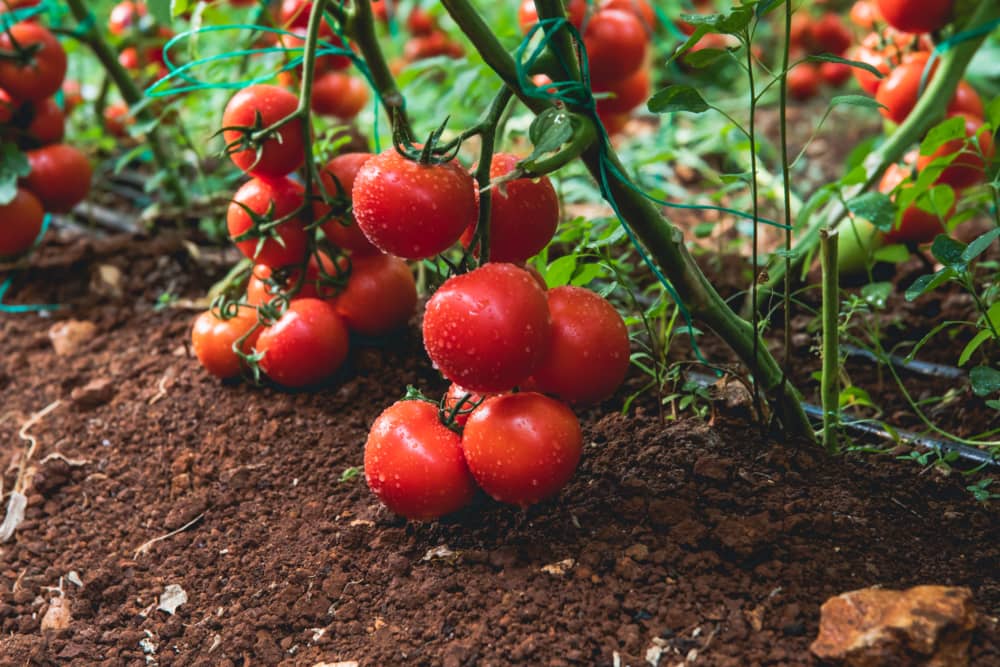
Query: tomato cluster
x=32, y=119
x=825, y=34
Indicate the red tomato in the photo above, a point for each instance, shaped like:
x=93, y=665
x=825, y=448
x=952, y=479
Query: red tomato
x=117, y=118
x=129, y=59
x=20, y=223
x=588, y=352
x=803, y=81
x=7, y=107
x=305, y=346
x=329, y=61
x=339, y=95
x=420, y=22
x=835, y=74
x=338, y=180
x=430, y=45
x=295, y=13
x=523, y=219
x=380, y=296
x=865, y=14
x=966, y=101
x=641, y=8
x=274, y=199
x=413, y=210
x=414, y=463
x=969, y=166
x=522, y=448
x=72, y=95
x=916, y=15
x=915, y=225
x=627, y=94
x=43, y=75
x=213, y=339
x=616, y=46
x=281, y=153
x=60, y=177
x=899, y=91
x=489, y=329
x=468, y=399
x=125, y=16
x=527, y=14
x=48, y=123
x=260, y=291
x=800, y=34
x=829, y=34
x=871, y=53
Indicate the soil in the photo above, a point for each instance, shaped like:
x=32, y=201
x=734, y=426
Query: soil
x=704, y=542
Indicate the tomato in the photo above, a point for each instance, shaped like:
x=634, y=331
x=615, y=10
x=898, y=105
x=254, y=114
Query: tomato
x=641, y=8
x=414, y=463
x=627, y=94
x=329, y=61
x=527, y=14
x=20, y=223
x=588, y=353
x=60, y=177
x=42, y=76
x=430, y=45
x=7, y=107
x=966, y=101
x=835, y=74
x=969, y=166
x=469, y=401
x=282, y=152
x=870, y=53
x=48, y=123
x=616, y=46
x=829, y=34
x=524, y=214
x=339, y=95
x=272, y=199
x=212, y=340
x=800, y=33
x=865, y=14
x=489, y=329
x=125, y=16
x=338, y=181
x=413, y=210
x=522, y=448
x=420, y=22
x=916, y=15
x=305, y=346
x=380, y=296
x=72, y=95
x=259, y=290
x=117, y=118
x=803, y=81
x=898, y=91
x=914, y=225
x=295, y=13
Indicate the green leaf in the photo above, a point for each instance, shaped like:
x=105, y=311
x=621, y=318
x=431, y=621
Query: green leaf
x=876, y=294
x=985, y=380
x=876, y=208
x=856, y=101
x=732, y=23
x=161, y=10
x=178, y=7
x=550, y=130
x=980, y=244
x=953, y=128
x=13, y=165
x=677, y=98
x=948, y=251
x=895, y=253
x=705, y=57
x=993, y=111
x=973, y=345
x=830, y=58
x=929, y=282
x=560, y=272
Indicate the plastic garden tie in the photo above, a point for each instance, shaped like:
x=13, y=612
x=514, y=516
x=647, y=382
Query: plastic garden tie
x=28, y=308
x=85, y=26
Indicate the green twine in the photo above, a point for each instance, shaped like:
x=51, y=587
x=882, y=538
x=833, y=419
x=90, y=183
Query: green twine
x=27, y=308
x=950, y=43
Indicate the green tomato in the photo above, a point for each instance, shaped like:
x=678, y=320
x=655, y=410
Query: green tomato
x=858, y=240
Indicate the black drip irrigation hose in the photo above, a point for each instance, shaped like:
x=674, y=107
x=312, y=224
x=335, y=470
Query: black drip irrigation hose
x=912, y=365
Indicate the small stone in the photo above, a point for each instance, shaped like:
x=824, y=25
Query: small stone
x=70, y=336
x=638, y=552
x=93, y=394
x=925, y=625
x=58, y=615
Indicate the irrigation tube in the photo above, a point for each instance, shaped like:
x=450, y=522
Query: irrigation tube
x=971, y=455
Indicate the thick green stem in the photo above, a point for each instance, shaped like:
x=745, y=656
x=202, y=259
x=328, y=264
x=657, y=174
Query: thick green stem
x=132, y=95
x=830, y=382
x=362, y=28
x=488, y=138
x=305, y=98
x=664, y=241
x=786, y=186
x=930, y=108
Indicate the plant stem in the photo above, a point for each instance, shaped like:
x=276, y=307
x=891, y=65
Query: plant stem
x=305, y=100
x=755, y=250
x=132, y=95
x=786, y=185
x=488, y=137
x=830, y=382
x=362, y=28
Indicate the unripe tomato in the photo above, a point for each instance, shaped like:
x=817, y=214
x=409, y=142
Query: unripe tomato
x=524, y=214
x=305, y=346
x=488, y=329
x=282, y=152
x=20, y=223
x=627, y=94
x=380, y=296
x=212, y=340
x=898, y=92
x=44, y=74
x=414, y=463
x=339, y=95
x=915, y=225
x=803, y=81
x=270, y=199
x=48, y=123
x=588, y=353
x=522, y=448
x=969, y=166
x=413, y=210
x=616, y=46
x=916, y=15
x=338, y=181
x=60, y=177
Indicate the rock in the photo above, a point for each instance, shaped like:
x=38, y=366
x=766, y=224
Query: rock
x=93, y=394
x=70, y=336
x=929, y=626
x=58, y=616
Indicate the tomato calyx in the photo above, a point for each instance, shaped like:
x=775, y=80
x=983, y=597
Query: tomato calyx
x=223, y=308
x=432, y=152
x=253, y=137
x=263, y=226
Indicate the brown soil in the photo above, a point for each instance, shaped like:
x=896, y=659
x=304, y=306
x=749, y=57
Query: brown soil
x=693, y=539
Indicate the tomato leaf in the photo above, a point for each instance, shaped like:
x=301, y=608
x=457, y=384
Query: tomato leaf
x=732, y=23
x=560, y=272
x=830, y=58
x=952, y=128
x=980, y=244
x=161, y=10
x=856, y=101
x=895, y=253
x=178, y=7
x=948, y=251
x=876, y=294
x=550, y=130
x=985, y=380
x=705, y=57
x=677, y=98
x=875, y=207
x=928, y=282
x=13, y=165
x=973, y=345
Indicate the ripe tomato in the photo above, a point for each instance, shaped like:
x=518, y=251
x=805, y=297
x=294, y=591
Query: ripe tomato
x=339, y=95
x=420, y=22
x=414, y=463
x=430, y=45
x=338, y=181
x=213, y=338
x=588, y=353
x=864, y=14
x=281, y=153
x=325, y=62
x=915, y=225
x=829, y=34
x=72, y=95
x=527, y=14
x=43, y=75
x=48, y=123
x=489, y=329
x=7, y=107
x=260, y=291
x=641, y=8
x=523, y=219
x=20, y=223
x=413, y=210
x=969, y=166
x=468, y=400
x=305, y=346
x=522, y=448
x=835, y=74
x=627, y=94
x=966, y=101
x=125, y=16
x=380, y=296
x=803, y=81
x=272, y=199
x=899, y=91
x=800, y=34
x=872, y=53
x=916, y=15
x=295, y=13
x=60, y=177
x=117, y=118
x=616, y=46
